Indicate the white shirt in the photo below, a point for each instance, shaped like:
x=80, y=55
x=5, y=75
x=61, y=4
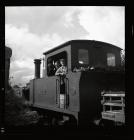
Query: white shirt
x=62, y=70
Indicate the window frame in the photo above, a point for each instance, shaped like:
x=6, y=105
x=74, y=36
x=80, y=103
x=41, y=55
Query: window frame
x=54, y=56
x=111, y=62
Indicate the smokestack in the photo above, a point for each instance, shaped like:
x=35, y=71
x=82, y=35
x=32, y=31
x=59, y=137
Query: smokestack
x=37, y=68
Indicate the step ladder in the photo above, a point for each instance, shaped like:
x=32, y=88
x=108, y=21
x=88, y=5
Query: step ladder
x=113, y=106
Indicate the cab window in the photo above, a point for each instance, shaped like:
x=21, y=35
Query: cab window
x=53, y=63
x=111, y=59
x=83, y=57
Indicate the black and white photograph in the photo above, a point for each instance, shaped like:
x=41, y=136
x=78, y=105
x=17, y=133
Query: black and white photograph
x=65, y=69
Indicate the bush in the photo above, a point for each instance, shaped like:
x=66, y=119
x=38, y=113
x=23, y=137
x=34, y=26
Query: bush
x=17, y=113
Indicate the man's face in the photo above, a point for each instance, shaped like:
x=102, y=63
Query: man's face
x=62, y=63
x=56, y=65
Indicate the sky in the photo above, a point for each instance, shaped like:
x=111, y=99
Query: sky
x=32, y=30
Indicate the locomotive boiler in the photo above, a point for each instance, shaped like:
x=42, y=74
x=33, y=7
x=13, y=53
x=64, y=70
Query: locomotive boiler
x=93, y=69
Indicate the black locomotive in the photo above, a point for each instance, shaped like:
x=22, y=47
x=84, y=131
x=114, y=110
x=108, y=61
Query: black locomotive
x=93, y=70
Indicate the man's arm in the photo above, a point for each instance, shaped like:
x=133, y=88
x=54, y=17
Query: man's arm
x=58, y=72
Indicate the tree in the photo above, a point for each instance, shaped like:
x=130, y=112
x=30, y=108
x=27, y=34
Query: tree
x=123, y=58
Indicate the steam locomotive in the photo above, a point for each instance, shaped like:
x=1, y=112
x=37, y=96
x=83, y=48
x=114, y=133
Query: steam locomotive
x=94, y=71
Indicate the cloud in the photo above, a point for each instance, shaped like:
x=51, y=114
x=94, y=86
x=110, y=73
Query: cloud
x=29, y=45
x=44, y=19
x=41, y=20
x=21, y=74
x=26, y=47
x=30, y=31
x=104, y=23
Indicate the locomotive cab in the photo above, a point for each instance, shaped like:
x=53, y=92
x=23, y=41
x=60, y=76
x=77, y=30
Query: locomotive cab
x=92, y=67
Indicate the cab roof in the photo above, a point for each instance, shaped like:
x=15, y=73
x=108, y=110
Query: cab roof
x=77, y=41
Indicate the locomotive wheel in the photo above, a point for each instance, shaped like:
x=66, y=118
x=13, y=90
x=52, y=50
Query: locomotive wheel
x=55, y=120
x=71, y=122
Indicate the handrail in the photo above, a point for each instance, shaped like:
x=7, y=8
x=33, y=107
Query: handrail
x=114, y=104
x=114, y=95
x=57, y=86
x=112, y=92
x=67, y=92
